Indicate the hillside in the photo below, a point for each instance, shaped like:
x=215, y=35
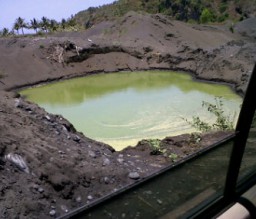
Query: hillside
x=201, y=11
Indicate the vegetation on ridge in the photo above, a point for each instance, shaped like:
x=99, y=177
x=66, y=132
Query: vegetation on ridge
x=45, y=25
x=201, y=11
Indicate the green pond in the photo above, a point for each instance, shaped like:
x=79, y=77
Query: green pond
x=122, y=108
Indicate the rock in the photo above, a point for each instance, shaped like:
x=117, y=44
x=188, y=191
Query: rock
x=52, y=212
x=35, y=186
x=18, y=161
x=78, y=199
x=76, y=138
x=130, y=162
x=134, y=175
x=64, y=208
x=106, y=180
x=48, y=118
x=159, y=201
x=18, y=103
x=61, y=152
x=40, y=189
x=92, y=154
x=64, y=128
x=106, y=162
x=89, y=197
x=120, y=160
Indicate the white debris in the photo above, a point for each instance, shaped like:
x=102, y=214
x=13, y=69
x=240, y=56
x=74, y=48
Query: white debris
x=48, y=117
x=17, y=103
x=89, y=197
x=18, y=161
x=78, y=49
x=52, y=212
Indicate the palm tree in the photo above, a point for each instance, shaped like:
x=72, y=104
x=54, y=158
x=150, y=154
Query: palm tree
x=44, y=24
x=63, y=23
x=34, y=24
x=53, y=25
x=16, y=27
x=21, y=23
x=5, y=32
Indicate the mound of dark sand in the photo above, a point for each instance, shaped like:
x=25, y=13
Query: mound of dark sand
x=247, y=28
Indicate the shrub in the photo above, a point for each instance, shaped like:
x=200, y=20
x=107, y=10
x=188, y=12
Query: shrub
x=206, y=16
x=222, y=121
x=155, y=145
x=223, y=7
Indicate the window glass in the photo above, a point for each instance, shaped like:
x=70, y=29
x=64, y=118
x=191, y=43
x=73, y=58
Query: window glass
x=248, y=166
x=173, y=193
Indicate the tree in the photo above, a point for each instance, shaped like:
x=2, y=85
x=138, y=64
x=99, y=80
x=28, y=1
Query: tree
x=53, y=25
x=20, y=22
x=206, y=16
x=5, y=32
x=71, y=22
x=44, y=24
x=34, y=24
x=16, y=27
x=63, y=23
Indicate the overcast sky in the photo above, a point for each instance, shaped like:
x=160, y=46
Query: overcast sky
x=52, y=9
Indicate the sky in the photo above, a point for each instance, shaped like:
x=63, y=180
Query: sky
x=52, y=9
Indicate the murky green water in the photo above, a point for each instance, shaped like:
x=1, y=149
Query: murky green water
x=122, y=108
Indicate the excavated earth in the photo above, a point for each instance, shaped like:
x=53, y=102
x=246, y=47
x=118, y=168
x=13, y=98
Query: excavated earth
x=47, y=168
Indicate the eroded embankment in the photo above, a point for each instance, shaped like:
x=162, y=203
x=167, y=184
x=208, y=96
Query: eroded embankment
x=134, y=42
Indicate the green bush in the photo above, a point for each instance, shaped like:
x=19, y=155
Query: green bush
x=155, y=145
x=207, y=16
x=223, y=17
x=222, y=121
x=223, y=7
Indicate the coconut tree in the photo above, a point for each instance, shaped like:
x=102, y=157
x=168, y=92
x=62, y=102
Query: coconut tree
x=53, y=25
x=44, y=23
x=34, y=24
x=21, y=23
x=5, y=32
x=63, y=23
x=16, y=27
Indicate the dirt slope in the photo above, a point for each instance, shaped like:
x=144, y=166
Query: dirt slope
x=135, y=41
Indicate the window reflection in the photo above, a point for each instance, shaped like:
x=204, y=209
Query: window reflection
x=174, y=193
x=248, y=166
